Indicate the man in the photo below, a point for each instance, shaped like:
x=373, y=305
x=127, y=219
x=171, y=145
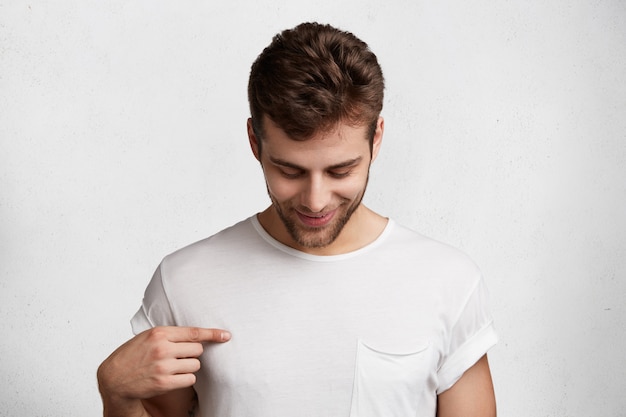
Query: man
x=334, y=310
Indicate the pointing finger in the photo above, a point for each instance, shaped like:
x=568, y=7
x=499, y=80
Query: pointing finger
x=197, y=335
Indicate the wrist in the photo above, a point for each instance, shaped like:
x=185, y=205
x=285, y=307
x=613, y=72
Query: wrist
x=115, y=404
x=123, y=407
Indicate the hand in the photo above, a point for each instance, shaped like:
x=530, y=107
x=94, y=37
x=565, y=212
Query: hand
x=155, y=362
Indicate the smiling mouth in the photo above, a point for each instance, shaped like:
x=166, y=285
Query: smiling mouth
x=316, y=220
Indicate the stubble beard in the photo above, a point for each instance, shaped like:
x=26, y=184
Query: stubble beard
x=312, y=237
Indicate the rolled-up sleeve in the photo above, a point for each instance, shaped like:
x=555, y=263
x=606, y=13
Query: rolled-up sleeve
x=472, y=335
x=155, y=309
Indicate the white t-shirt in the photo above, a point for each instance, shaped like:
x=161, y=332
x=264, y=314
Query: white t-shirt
x=376, y=332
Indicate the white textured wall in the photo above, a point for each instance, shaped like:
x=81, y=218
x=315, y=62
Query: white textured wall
x=122, y=132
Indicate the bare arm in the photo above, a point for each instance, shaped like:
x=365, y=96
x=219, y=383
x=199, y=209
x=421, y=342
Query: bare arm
x=178, y=403
x=470, y=396
x=152, y=374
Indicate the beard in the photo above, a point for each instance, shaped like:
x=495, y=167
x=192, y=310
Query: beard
x=316, y=237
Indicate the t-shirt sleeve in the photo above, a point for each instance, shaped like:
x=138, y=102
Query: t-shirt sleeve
x=472, y=335
x=155, y=309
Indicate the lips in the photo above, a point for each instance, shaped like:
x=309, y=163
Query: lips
x=316, y=220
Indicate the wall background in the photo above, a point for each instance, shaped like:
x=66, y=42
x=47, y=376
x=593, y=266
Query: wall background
x=122, y=133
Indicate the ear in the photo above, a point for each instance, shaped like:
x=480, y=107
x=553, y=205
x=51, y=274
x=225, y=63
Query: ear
x=378, y=137
x=254, y=141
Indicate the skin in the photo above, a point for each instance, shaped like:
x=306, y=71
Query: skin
x=152, y=374
x=316, y=187
x=470, y=396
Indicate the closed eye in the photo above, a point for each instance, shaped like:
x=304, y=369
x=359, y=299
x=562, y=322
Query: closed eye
x=291, y=173
x=339, y=174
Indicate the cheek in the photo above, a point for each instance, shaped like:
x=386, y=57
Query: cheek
x=280, y=188
x=352, y=188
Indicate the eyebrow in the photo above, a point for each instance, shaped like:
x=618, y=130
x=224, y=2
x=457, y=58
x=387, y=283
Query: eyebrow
x=345, y=164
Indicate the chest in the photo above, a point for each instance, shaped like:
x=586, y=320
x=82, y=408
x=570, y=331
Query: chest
x=305, y=343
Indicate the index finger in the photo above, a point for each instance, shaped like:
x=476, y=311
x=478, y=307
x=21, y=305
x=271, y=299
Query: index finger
x=197, y=334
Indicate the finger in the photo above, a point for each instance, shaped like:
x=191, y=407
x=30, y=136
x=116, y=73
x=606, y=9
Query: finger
x=172, y=382
x=188, y=350
x=187, y=366
x=197, y=334
x=166, y=368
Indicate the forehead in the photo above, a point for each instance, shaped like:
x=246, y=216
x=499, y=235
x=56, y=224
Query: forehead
x=343, y=141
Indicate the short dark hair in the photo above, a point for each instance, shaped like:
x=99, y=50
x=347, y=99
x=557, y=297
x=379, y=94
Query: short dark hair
x=312, y=77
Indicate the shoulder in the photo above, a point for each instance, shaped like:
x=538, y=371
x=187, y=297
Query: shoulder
x=431, y=256
x=222, y=245
x=424, y=246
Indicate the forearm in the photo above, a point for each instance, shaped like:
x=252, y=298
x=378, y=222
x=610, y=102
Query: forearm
x=116, y=407
x=179, y=403
x=113, y=403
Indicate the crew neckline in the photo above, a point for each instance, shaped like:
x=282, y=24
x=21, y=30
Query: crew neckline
x=320, y=258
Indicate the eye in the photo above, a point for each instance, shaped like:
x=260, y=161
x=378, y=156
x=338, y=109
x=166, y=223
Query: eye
x=339, y=174
x=291, y=173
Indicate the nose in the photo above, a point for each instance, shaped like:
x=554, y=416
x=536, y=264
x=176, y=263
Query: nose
x=316, y=195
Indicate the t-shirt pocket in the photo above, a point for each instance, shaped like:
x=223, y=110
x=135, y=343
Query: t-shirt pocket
x=389, y=384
